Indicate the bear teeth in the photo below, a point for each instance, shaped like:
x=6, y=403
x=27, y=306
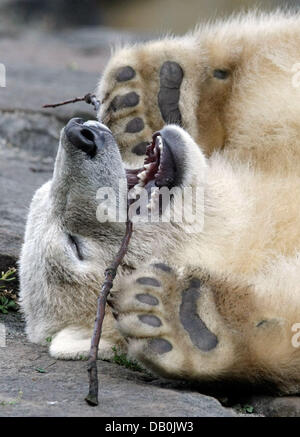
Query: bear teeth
x=147, y=174
x=142, y=176
x=160, y=144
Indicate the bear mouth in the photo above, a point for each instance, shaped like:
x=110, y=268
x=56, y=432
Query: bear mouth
x=159, y=169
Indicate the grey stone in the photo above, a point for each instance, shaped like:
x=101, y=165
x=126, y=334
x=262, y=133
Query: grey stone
x=56, y=13
x=61, y=389
x=29, y=89
x=18, y=182
x=36, y=133
x=286, y=406
x=45, y=67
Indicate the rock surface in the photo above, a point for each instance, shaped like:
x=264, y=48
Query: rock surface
x=18, y=181
x=34, y=384
x=286, y=406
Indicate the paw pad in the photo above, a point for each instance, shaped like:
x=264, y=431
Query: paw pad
x=163, y=267
x=127, y=101
x=135, y=125
x=171, y=75
x=160, y=345
x=151, y=320
x=147, y=299
x=125, y=73
x=140, y=149
x=198, y=332
x=148, y=281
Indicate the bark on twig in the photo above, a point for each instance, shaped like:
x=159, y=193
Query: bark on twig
x=89, y=98
x=110, y=273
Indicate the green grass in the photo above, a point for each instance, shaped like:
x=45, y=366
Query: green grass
x=83, y=358
x=7, y=297
x=122, y=360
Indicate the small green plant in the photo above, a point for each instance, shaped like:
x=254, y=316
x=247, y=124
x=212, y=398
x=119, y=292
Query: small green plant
x=83, y=357
x=245, y=409
x=7, y=276
x=122, y=360
x=7, y=298
x=7, y=304
x=14, y=402
x=48, y=339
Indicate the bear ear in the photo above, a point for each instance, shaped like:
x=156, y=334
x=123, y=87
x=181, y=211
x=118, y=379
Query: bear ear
x=221, y=73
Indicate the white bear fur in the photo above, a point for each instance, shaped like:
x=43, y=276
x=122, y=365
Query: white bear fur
x=248, y=131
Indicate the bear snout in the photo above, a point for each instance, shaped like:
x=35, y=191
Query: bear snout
x=88, y=137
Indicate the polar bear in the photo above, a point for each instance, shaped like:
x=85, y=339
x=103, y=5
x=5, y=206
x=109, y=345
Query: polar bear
x=221, y=303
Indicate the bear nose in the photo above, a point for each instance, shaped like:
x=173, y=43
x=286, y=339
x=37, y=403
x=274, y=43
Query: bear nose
x=85, y=137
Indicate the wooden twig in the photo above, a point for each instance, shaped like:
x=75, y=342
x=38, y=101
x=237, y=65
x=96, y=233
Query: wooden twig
x=89, y=98
x=110, y=273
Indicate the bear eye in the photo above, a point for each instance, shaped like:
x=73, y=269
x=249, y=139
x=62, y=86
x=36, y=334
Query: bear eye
x=221, y=74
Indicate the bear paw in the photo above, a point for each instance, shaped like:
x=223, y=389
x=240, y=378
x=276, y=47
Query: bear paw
x=157, y=312
x=143, y=88
x=74, y=343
